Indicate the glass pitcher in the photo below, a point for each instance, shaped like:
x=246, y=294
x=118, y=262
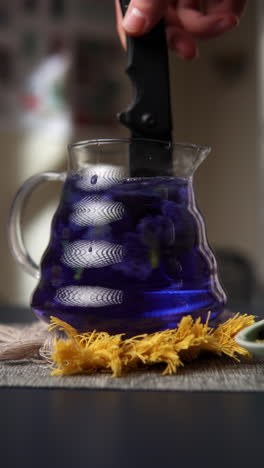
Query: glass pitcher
x=126, y=255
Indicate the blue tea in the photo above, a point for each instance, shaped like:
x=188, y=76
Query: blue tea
x=127, y=257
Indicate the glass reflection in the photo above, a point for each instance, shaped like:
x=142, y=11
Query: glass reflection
x=94, y=254
x=88, y=296
x=100, y=177
x=96, y=210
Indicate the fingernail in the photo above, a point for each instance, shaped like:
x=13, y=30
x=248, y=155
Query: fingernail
x=134, y=21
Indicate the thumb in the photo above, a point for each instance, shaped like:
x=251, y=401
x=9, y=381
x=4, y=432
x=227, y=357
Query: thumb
x=143, y=15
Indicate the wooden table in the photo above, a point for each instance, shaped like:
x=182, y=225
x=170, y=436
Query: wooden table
x=101, y=429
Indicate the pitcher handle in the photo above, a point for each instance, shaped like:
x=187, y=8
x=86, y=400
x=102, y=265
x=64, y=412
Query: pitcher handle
x=15, y=234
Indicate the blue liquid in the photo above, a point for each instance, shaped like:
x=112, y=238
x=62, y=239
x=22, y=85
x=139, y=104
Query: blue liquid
x=129, y=257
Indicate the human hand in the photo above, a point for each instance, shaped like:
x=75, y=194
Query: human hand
x=186, y=20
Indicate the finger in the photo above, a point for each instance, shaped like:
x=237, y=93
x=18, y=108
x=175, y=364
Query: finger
x=236, y=7
x=143, y=15
x=200, y=25
x=182, y=43
x=119, y=25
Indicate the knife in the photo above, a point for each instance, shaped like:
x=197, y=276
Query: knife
x=149, y=115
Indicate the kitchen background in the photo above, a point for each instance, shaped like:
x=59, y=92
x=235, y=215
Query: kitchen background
x=62, y=79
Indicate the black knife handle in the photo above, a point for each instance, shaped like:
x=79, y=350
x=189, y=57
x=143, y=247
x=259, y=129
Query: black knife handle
x=149, y=114
x=124, y=5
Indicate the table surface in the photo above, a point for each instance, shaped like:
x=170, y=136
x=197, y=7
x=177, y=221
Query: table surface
x=87, y=428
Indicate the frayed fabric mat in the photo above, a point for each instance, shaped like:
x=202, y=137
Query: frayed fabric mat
x=29, y=354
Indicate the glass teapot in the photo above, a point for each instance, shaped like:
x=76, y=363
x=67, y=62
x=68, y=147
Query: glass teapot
x=126, y=255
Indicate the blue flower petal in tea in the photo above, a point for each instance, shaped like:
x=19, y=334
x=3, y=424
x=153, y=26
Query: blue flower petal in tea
x=136, y=260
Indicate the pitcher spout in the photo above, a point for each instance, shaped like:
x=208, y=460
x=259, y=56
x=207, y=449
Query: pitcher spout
x=187, y=158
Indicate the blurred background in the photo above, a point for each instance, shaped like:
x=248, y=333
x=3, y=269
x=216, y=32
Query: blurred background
x=62, y=79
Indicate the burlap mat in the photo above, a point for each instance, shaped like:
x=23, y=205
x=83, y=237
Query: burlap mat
x=205, y=374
